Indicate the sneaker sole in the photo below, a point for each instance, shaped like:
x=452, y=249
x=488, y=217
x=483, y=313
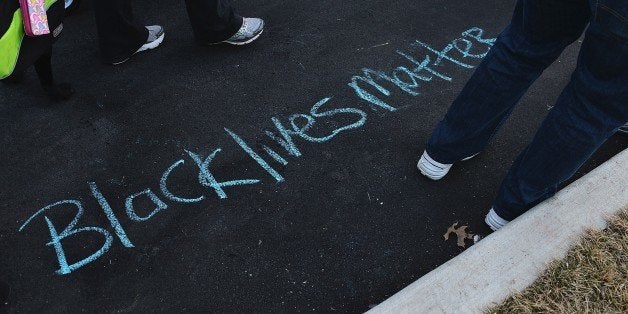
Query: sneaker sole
x=149, y=46
x=429, y=175
x=424, y=171
x=241, y=43
x=153, y=44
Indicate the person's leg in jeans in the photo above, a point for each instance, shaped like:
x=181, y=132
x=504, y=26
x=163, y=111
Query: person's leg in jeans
x=590, y=109
x=120, y=36
x=212, y=21
x=537, y=34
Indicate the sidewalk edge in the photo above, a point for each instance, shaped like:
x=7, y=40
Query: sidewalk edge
x=512, y=258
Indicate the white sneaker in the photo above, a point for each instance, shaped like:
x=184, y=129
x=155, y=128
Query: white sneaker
x=250, y=30
x=494, y=221
x=434, y=169
x=155, y=38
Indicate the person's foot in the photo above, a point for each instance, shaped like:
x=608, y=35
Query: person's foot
x=623, y=129
x=250, y=30
x=494, y=221
x=155, y=37
x=434, y=169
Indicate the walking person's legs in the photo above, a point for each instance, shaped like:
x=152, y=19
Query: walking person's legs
x=119, y=34
x=590, y=109
x=215, y=21
x=537, y=34
x=212, y=20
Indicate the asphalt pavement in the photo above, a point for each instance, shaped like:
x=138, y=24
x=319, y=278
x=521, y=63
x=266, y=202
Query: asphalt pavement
x=274, y=177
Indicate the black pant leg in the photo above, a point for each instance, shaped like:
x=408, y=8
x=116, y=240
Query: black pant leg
x=212, y=20
x=119, y=34
x=43, y=67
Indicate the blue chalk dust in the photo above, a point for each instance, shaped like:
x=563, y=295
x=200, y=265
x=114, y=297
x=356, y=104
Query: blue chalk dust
x=369, y=86
x=56, y=238
x=255, y=156
x=163, y=186
x=206, y=177
x=130, y=208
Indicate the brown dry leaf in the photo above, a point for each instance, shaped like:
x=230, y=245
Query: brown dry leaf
x=450, y=230
x=461, y=233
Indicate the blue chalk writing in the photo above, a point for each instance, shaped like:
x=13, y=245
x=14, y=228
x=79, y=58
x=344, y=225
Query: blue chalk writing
x=372, y=86
x=275, y=155
x=79, y=213
x=110, y=215
x=255, y=156
x=443, y=54
x=476, y=33
x=368, y=79
x=467, y=47
x=206, y=177
x=424, y=65
x=56, y=237
x=406, y=86
x=285, y=140
x=130, y=209
x=314, y=112
x=370, y=76
x=56, y=242
x=163, y=186
x=299, y=130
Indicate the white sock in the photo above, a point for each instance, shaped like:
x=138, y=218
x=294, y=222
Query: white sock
x=494, y=221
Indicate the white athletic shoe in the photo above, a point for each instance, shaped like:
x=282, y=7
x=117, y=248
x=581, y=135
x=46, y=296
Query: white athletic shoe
x=434, y=169
x=155, y=38
x=494, y=221
x=250, y=30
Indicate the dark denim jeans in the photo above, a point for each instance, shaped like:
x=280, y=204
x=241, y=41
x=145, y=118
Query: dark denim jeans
x=589, y=110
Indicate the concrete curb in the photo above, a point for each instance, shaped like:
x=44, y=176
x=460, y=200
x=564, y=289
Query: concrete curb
x=511, y=259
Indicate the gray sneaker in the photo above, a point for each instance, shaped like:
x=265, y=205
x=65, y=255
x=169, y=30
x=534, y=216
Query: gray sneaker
x=250, y=30
x=155, y=37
